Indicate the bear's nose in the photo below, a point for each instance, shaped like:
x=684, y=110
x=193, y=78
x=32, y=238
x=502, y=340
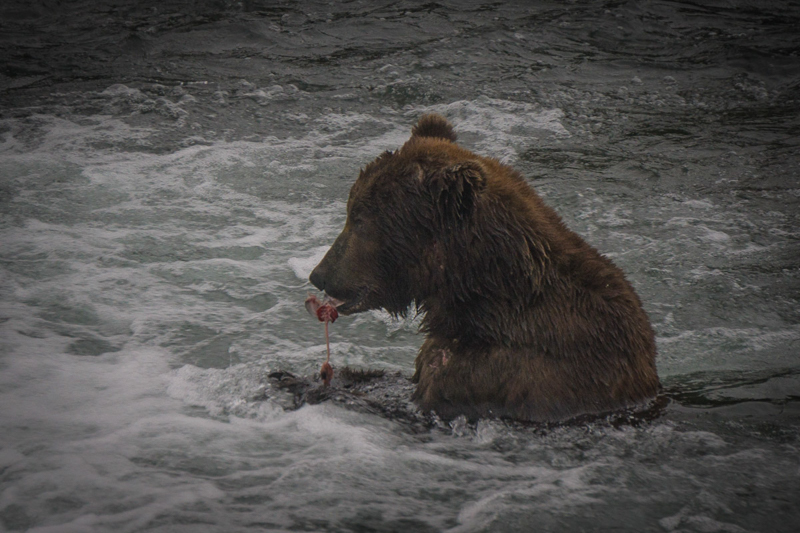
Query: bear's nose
x=317, y=279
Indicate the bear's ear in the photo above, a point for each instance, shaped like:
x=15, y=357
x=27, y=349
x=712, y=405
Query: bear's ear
x=456, y=189
x=435, y=126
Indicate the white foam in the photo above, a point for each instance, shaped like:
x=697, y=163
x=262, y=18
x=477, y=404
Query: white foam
x=699, y=204
x=714, y=236
x=120, y=90
x=505, y=128
x=144, y=264
x=237, y=390
x=302, y=266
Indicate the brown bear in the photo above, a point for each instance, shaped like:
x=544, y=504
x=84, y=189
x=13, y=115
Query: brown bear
x=523, y=318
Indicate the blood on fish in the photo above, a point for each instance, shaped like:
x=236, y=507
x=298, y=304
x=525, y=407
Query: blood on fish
x=325, y=312
x=326, y=373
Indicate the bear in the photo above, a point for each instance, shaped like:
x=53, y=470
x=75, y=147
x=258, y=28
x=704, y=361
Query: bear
x=523, y=319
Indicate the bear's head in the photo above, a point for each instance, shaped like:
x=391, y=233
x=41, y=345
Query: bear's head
x=402, y=209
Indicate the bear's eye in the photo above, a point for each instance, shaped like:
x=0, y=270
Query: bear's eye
x=360, y=222
x=356, y=219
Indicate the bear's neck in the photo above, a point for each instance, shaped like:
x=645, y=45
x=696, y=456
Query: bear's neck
x=482, y=297
x=478, y=320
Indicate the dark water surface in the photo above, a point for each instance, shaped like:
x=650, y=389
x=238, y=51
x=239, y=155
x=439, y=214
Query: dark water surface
x=171, y=171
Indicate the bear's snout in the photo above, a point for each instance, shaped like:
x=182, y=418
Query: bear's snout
x=327, y=269
x=317, y=277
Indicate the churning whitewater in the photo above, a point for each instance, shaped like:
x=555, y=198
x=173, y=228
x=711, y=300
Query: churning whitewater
x=171, y=172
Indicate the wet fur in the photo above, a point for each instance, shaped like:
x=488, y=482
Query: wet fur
x=523, y=318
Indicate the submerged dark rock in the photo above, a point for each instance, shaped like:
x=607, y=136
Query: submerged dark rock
x=388, y=394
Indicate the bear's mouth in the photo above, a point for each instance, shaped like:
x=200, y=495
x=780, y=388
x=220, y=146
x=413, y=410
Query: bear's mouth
x=351, y=305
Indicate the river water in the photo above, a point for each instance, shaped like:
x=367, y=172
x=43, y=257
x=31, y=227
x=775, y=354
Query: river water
x=170, y=173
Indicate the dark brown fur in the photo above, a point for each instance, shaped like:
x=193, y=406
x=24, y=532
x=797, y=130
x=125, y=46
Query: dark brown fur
x=523, y=318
